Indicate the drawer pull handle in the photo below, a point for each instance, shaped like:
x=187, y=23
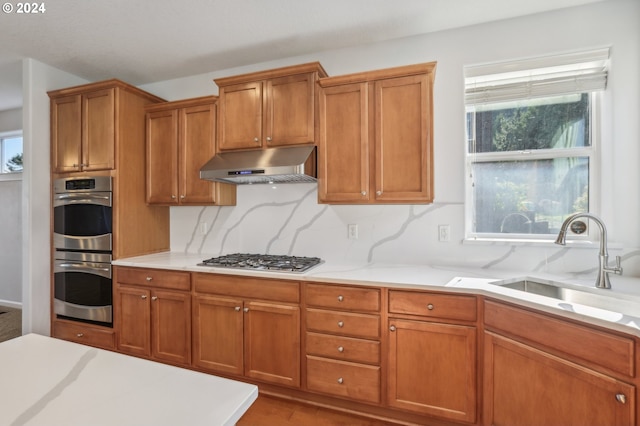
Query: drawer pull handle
x=340, y=380
x=430, y=306
x=149, y=278
x=621, y=398
x=340, y=324
x=237, y=308
x=82, y=335
x=340, y=349
x=340, y=298
x=392, y=328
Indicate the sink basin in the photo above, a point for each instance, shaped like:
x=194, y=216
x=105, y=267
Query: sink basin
x=573, y=294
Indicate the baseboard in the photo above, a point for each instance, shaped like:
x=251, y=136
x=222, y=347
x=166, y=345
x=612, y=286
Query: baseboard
x=10, y=304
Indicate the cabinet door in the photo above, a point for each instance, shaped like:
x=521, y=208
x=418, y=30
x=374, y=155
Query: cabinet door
x=218, y=334
x=343, y=157
x=197, y=146
x=432, y=369
x=98, y=130
x=403, y=143
x=525, y=386
x=290, y=110
x=272, y=343
x=133, y=310
x=240, y=116
x=171, y=326
x=66, y=133
x=162, y=157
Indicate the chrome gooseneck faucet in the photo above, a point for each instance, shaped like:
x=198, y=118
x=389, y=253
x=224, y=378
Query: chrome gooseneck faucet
x=602, y=280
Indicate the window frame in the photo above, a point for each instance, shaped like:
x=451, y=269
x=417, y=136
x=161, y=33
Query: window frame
x=17, y=175
x=592, y=152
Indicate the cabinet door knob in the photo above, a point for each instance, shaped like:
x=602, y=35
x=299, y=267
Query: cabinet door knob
x=363, y=193
x=378, y=192
x=621, y=398
x=246, y=309
x=256, y=139
x=173, y=197
x=182, y=197
x=154, y=298
x=430, y=306
x=268, y=138
x=80, y=335
x=340, y=349
x=149, y=278
x=340, y=380
x=237, y=308
x=340, y=298
x=392, y=328
x=144, y=296
x=340, y=324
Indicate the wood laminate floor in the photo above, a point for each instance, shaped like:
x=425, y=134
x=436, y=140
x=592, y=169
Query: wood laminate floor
x=269, y=411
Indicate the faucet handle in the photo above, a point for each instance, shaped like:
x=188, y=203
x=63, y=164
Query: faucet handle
x=618, y=268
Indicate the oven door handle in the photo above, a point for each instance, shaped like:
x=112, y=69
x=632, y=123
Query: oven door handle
x=90, y=268
x=66, y=199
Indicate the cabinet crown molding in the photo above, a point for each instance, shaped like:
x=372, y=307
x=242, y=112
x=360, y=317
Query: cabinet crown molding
x=361, y=77
x=273, y=73
x=106, y=84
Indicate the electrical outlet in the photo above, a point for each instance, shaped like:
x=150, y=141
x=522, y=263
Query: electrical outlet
x=352, y=231
x=444, y=233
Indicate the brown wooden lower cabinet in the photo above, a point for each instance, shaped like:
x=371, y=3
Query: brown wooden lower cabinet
x=526, y=386
x=432, y=369
x=255, y=338
x=153, y=314
x=85, y=334
x=536, y=368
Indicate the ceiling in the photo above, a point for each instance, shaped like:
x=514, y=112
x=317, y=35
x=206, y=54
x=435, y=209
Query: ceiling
x=145, y=41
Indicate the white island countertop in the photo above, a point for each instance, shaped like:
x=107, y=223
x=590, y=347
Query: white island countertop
x=50, y=382
x=432, y=277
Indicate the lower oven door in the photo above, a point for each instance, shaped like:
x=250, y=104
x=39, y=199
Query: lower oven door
x=83, y=287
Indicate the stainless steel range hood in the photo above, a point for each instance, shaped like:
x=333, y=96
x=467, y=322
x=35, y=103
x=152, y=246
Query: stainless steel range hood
x=271, y=165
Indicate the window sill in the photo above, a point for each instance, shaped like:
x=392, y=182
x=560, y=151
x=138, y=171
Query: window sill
x=10, y=176
x=528, y=242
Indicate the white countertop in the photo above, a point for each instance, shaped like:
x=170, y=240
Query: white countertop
x=429, y=277
x=46, y=381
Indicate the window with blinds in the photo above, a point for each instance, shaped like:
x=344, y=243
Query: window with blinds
x=530, y=143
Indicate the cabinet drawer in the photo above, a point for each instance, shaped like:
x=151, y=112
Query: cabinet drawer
x=85, y=335
x=343, y=348
x=355, y=381
x=247, y=287
x=340, y=297
x=600, y=349
x=343, y=323
x=433, y=305
x=158, y=278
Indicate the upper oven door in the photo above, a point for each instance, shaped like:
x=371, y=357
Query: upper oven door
x=82, y=221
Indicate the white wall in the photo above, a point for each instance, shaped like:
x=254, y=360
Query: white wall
x=10, y=218
x=10, y=120
x=38, y=78
x=298, y=225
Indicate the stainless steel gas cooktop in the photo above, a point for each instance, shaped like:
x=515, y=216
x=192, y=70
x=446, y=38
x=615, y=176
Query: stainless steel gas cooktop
x=276, y=263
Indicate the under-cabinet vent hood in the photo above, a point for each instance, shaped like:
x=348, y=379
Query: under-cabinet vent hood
x=271, y=165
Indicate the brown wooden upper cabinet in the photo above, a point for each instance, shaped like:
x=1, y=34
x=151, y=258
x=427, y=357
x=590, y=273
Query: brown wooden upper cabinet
x=180, y=140
x=376, y=136
x=83, y=131
x=268, y=108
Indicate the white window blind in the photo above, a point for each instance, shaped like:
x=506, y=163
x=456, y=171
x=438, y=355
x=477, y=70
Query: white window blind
x=571, y=73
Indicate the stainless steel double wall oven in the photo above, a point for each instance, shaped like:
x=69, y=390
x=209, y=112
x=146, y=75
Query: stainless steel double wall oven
x=82, y=240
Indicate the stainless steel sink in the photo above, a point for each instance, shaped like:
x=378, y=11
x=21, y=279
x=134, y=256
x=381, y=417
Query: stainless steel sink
x=573, y=294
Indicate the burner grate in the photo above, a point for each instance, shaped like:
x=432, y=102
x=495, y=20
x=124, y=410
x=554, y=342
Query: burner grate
x=279, y=263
